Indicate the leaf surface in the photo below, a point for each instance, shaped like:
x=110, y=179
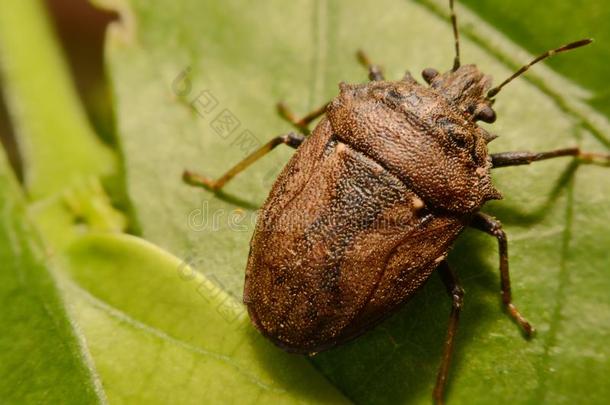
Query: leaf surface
x=43, y=356
x=159, y=332
x=195, y=86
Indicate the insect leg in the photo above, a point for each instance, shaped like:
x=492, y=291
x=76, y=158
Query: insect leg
x=302, y=124
x=525, y=158
x=456, y=36
x=291, y=139
x=375, y=73
x=455, y=291
x=493, y=227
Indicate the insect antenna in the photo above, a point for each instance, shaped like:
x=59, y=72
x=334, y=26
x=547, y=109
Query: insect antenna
x=456, y=36
x=523, y=69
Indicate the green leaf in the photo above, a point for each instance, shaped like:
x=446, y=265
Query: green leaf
x=43, y=358
x=159, y=332
x=175, y=67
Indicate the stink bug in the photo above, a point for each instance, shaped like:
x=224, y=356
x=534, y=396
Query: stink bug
x=372, y=201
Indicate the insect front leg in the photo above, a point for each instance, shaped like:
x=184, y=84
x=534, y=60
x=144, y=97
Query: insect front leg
x=375, y=72
x=524, y=158
x=291, y=139
x=493, y=227
x=455, y=291
x=302, y=124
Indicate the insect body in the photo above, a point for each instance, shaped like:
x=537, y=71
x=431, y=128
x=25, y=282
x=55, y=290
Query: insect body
x=371, y=203
x=356, y=223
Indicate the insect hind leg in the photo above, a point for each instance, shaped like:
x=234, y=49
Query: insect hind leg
x=456, y=292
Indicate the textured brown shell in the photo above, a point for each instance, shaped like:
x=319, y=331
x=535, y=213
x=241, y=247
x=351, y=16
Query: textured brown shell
x=349, y=232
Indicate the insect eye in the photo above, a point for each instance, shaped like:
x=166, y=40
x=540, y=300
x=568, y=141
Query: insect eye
x=429, y=74
x=486, y=114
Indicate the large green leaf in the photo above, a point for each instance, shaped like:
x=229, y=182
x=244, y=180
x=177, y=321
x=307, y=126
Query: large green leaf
x=43, y=357
x=161, y=333
x=176, y=66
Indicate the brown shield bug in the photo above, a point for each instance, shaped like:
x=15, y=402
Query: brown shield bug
x=372, y=201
